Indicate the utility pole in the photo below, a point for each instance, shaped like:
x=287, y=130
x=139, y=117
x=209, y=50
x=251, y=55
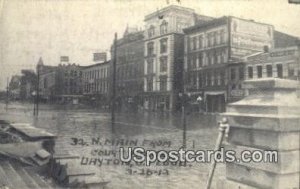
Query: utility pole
x=36, y=109
x=7, y=95
x=113, y=96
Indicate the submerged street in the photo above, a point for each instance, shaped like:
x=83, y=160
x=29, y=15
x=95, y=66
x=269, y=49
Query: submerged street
x=88, y=134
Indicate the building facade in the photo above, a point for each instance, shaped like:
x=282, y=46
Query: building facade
x=278, y=63
x=163, y=56
x=213, y=68
x=62, y=83
x=129, y=69
x=96, y=82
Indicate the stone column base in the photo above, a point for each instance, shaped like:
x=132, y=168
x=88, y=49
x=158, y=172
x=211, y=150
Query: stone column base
x=223, y=183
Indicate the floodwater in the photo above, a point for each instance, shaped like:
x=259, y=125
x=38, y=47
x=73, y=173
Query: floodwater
x=90, y=134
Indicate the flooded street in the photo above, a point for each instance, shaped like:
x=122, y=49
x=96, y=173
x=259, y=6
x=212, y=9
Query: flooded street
x=88, y=133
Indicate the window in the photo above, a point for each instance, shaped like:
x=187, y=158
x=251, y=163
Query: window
x=200, y=59
x=200, y=42
x=209, y=40
x=232, y=74
x=150, y=66
x=150, y=48
x=163, y=64
x=292, y=68
x=250, y=72
x=259, y=71
x=163, y=45
x=218, y=37
x=214, y=38
x=279, y=71
x=151, y=31
x=163, y=83
x=208, y=58
x=193, y=43
x=241, y=73
x=149, y=84
x=200, y=80
x=194, y=61
x=222, y=36
x=216, y=75
x=208, y=76
x=164, y=28
x=269, y=71
x=45, y=83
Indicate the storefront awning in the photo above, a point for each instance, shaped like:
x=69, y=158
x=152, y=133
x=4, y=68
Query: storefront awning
x=215, y=93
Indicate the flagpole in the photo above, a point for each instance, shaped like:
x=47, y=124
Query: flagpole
x=113, y=85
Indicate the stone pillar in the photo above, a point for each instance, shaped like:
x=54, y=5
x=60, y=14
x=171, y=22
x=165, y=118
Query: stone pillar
x=267, y=119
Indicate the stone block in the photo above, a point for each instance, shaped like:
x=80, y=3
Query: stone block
x=224, y=183
x=261, y=178
x=264, y=139
x=282, y=123
x=288, y=161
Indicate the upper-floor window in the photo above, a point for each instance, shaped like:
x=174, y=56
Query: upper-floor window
x=241, y=73
x=200, y=56
x=150, y=66
x=150, y=48
x=222, y=36
x=214, y=36
x=149, y=84
x=151, y=31
x=163, y=83
x=232, y=74
x=279, y=70
x=164, y=28
x=259, y=71
x=250, y=72
x=269, y=70
x=163, y=45
x=200, y=42
x=163, y=63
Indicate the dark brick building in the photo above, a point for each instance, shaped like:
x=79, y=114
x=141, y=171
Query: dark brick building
x=214, y=50
x=129, y=69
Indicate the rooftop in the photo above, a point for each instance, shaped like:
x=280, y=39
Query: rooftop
x=169, y=8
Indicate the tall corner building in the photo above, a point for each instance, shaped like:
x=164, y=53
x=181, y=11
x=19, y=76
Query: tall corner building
x=214, y=51
x=163, y=55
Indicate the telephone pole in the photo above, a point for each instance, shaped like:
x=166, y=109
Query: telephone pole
x=36, y=106
x=7, y=95
x=113, y=96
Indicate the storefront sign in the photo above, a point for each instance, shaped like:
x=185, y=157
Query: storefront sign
x=283, y=53
x=237, y=93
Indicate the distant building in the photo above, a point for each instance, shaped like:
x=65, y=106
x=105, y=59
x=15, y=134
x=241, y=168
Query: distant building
x=129, y=69
x=278, y=63
x=28, y=84
x=163, y=62
x=213, y=68
x=96, y=80
x=61, y=83
x=14, y=87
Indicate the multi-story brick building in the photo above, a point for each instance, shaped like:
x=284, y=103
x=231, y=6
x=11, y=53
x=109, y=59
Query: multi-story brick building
x=213, y=58
x=129, y=69
x=279, y=63
x=96, y=82
x=60, y=83
x=163, y=62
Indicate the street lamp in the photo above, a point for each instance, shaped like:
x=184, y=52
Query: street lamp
x=185, y=99
x=199, y=101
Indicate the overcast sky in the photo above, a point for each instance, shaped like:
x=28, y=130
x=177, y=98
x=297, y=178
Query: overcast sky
x=30, y=29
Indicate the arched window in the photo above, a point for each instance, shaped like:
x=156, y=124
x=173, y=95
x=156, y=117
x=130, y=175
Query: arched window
x=164, y=27
x=151, y=31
